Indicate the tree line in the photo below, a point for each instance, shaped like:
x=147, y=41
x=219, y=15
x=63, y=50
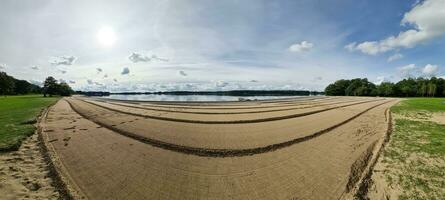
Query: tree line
x=12, y=86
x=411, y=87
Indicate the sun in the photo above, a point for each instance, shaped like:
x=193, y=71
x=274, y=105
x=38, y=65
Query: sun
x=106, y=36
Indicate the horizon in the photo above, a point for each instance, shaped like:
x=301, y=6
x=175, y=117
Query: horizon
x=214, y=46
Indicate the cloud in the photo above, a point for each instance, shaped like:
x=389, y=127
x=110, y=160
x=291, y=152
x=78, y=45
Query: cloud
x=72, y=82
x=301, y=47
x=380, y=80
x=407, y=71
x=125, y=71
x=99, y=70
x=221, y=84
x=254, y=81
x=62, y=81
x=351, y=46
x=34, y=82
x=35, y=68
x=154, y=57
x=318, y=78
x=138, y=57
x=430, y=70
x=90, y=82
x=63, y=60
x=115, y=80
x=141, y=57
x=182, y=73
x=106, y=76
x=62, y=71
x=426, y=19
x=2, y=66
x=394, y=57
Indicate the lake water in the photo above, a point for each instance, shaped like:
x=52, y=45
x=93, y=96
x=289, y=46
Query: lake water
x=159, y=97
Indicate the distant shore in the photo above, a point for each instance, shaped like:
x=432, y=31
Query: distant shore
x=217, y=93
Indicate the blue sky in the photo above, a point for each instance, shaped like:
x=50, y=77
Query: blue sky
x=220, y=45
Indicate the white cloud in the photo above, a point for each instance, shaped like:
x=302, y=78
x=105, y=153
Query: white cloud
x=72, y=82
x=427, y=20
x=155, y=57
x=90, y=82
x=106, y=76
x=254, y=81
x=301, y=47
x=182, y=73
x=430, y=70
x=115, y=80
x=142, y=57
x=407, y=70
x=35, y=68
x=221, y=84
x=99, y=70
x=138, y=57
x=63, y=60
x=351, y=47
x=62, y=71
x=125, y=71
x=394, y=57
x=380, y=80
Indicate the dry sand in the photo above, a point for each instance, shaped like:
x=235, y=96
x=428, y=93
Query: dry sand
x=105, y=163
x=24, y=173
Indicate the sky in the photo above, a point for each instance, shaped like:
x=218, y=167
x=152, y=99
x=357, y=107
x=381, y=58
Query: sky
x=162, y=45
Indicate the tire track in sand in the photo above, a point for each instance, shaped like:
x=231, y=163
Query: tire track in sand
x=228, y=113
x=229, y=122
x=221, y=107
x=208, y=152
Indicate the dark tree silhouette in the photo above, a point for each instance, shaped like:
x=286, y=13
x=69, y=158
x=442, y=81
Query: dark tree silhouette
x=418, y=87
x=6, y=84
x=50, y=86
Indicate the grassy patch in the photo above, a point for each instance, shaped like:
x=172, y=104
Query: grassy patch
x=420, y=104
x=17, y=116
x=415, y=156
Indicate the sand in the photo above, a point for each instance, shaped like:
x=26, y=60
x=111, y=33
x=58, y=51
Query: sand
x=24, y=173
x=108, y=163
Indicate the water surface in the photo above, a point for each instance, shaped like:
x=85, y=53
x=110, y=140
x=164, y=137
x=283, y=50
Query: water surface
x=162, y=97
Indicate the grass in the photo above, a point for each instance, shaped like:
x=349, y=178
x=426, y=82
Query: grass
x=17, y=116
x=415, y=156
x=420, y=104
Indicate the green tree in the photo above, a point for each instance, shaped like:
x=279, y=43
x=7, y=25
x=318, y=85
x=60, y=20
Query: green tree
x=6, y=84
x=385, y=89
x=423, y=90
x=338, y=88
x=431, y=89
x=50, y=86
x=22, y=87
x=64, y=89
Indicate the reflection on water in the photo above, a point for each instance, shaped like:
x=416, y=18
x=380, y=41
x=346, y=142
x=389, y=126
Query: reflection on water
x=161, y=97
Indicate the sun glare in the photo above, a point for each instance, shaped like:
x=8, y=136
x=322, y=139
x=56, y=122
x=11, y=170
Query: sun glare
x=106, y=36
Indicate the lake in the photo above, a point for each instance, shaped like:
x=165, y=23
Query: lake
x=162, y=97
